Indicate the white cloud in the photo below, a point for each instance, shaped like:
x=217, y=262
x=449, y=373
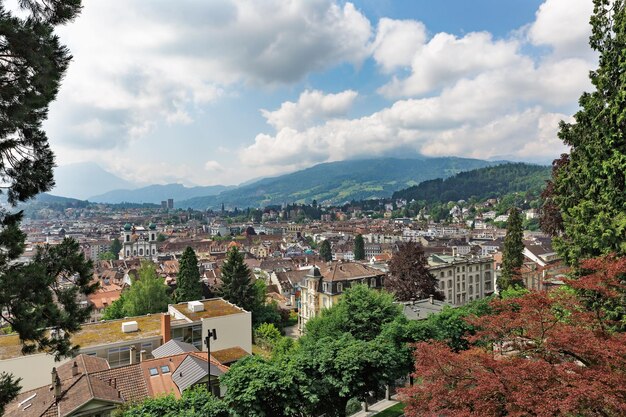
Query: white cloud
x=447, y=58
x=563, y=25
x=397, y=41
x=312, y=107
x=158, y=60
x=473, y=96
x=213, y=166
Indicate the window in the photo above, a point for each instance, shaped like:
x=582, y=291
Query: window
x=373, y=282
x=140, y=252
x=165, y=369
x=442, y=274
x=449, y=283
x=443, y=285
x=339, y=287
x=487, y=266
x=449, y=272
x=154, y=372
x=119, y=356
x=325, y=287
x=153, y=251
x=463, y=268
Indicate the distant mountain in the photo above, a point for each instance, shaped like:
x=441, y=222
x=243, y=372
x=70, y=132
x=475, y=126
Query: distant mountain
x=157, y=193
x=85, y=179
x=483, y=183
x=338, y=182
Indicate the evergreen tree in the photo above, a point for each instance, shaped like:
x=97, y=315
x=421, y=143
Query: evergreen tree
x=359, y=248
x=586, y=198
x=409, y=277
x=513, y=253
x=325, y=251
x=237, y=285
x=188, y=285
x=116, y=247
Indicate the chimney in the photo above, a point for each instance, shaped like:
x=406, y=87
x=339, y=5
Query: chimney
x=55, y=376
x=166, y=329
x=133, y=355
x=56, y=384
x=74, y=369
x=142, y=355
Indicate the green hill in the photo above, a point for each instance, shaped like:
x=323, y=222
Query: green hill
x=483, y=183
x=338, y=182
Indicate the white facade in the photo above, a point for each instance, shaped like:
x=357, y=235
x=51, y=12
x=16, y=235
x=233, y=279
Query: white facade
x=463, y=279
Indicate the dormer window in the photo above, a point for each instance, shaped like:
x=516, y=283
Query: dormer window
x=339, y=287
x=373, y=282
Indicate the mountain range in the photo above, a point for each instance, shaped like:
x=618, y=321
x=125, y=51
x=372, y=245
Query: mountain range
x=338, y=182
x=157, y=193
x=328, y=183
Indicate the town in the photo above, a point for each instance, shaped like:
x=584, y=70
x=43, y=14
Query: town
x=312, y=208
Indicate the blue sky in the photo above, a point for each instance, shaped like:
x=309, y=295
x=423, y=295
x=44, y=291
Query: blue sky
x=223, y=91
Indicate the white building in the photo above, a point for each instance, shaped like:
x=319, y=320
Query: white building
x=139, y=242
x=463, y=278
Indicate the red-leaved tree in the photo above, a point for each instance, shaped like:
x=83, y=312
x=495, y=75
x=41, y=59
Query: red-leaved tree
x=544, y=354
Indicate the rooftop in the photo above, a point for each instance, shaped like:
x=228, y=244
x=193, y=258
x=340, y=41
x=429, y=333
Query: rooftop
x=94, y=334
x=215, y=307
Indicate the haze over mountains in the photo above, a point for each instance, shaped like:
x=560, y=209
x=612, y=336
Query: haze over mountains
x=334, y=182
x=157, y=193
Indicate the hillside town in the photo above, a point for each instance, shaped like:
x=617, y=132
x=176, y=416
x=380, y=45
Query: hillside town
x=296, y=208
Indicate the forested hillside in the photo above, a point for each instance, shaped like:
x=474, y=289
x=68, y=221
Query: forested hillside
x=483, y=183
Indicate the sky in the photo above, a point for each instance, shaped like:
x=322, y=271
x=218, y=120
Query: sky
x=224, y=91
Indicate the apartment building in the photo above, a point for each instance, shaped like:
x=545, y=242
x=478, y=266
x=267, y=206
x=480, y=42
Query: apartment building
x=463, y=278
x=323, y=286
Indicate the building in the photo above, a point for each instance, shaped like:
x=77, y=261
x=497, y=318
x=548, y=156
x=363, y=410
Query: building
x=463, y=278
x=88, y=386
x=121, y=342
x=170, y=203
x=323, y=286
x=139, y=242
x=94, y=249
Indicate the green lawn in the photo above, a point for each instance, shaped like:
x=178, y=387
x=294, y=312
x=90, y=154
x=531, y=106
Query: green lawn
x=395, y=411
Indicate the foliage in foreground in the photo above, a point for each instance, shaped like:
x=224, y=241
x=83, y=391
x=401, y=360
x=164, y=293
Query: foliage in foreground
x=351, y=349
x=544, y=354
x=195, y=402
x=586, y=199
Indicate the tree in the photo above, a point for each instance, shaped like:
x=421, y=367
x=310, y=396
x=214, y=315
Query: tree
x=256, y=387
x=267, y=335
x=116, y=247
x=409, y=277
x=513, y=253
x=361, y=312
x=359, y=248
x=588, y=186
x=107, y=256
x=339, y=369
x=325, y=251
x=237, y=285
x=188, y=284
x=116, y=309
x=195, y=402
x=32, y=64
x=541, y=354
x=147, y=294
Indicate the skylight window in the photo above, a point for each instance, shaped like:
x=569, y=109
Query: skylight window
x=154, y=372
